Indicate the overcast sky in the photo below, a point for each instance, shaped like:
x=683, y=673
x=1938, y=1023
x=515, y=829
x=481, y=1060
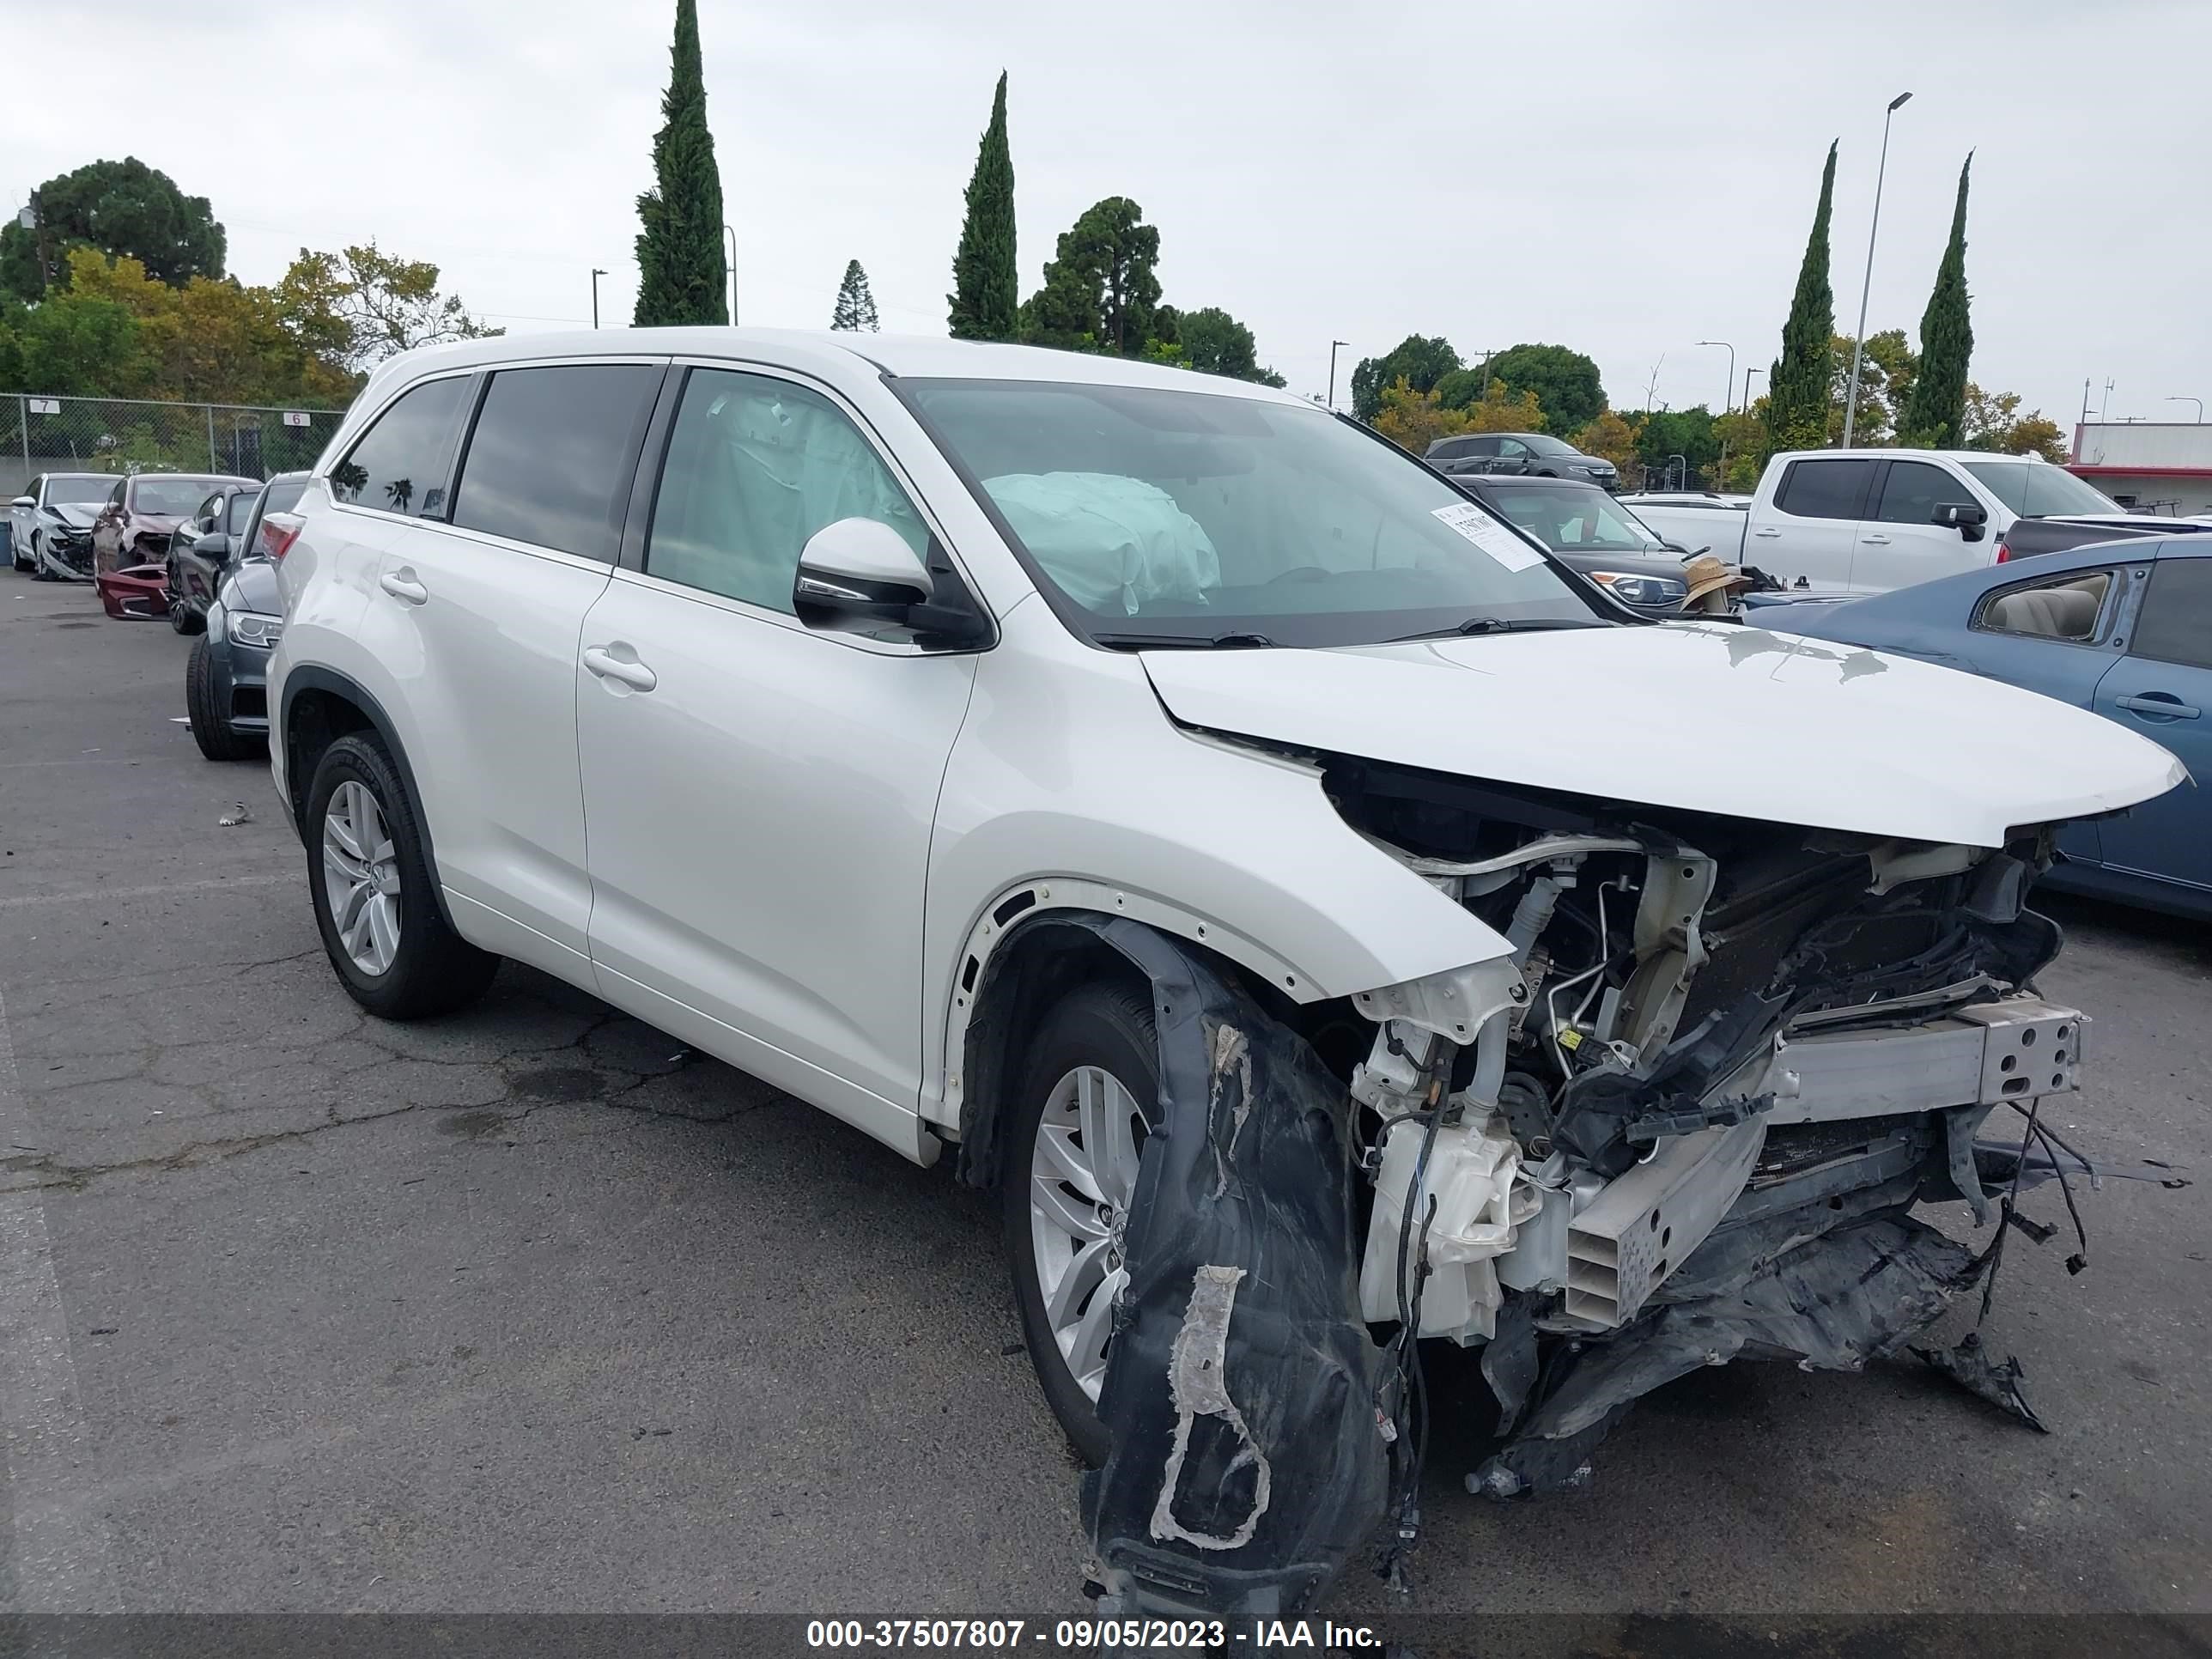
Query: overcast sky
x=1625, y=180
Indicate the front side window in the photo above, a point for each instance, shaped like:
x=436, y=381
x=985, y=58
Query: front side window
x=1824, y=489
x=2176, y=624
x=1537, y=444
x=1575, y=518
x=1193, y=515
x=754, y=466
x=2037, y=489
x=400, y=463
x=1915, y=489
x=1512, y=449
x=241, y=513
x=549, y=460
x=2063, y=608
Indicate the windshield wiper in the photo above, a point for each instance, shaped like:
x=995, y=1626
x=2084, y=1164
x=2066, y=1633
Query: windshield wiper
x=1181, y=641
x=1500, y=625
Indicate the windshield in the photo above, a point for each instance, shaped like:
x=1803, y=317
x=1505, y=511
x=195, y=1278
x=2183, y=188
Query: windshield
x=170, y=498
x=78, y=492
x=1572, y=517
x=2037, y=489
x=1541, y=445
x=1161, y=515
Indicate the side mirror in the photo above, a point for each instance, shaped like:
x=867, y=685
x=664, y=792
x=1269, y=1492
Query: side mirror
x=1967, y=518
x=22, y=500
x=858, y=568
x=216, y=548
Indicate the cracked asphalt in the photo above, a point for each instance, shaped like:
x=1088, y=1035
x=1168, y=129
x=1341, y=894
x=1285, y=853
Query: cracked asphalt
x=530, y=1310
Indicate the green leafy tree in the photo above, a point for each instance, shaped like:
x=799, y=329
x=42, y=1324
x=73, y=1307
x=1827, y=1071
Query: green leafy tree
x=1102, y=291
x=1797, y=399
x=680, y=267
x=1418, y=361
x=986, y=297
x=1565, y=383
x=74, y=345
x=1935, y=416
x=1609, y=437
x=1215, y=342
x=1887, y=368
x=124, y=208
x=361, y=304
x=1662, y=436
x=1992, y=421
x=856, y=306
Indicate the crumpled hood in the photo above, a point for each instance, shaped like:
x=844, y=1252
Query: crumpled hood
x=76, y=515
x=1703, y=717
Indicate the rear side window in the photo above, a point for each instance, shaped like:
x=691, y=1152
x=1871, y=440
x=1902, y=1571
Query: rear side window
x=1914, y=489
x=550, y=458
x=400, y=463
x=2176, y=625
x=755, y=467
x=1824, y=489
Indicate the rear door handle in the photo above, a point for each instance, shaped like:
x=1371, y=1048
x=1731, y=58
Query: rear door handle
x=2159, y=706
x=631, y=673
x=401, y=585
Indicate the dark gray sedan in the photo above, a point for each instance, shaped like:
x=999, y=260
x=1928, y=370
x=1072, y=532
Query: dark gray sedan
x=225, y=680
x=1520, y=454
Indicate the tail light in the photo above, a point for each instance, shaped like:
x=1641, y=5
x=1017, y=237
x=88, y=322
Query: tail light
x=278, y=532
x=2004, y=554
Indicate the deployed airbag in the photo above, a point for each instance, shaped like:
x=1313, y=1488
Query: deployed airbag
x=1109, y=541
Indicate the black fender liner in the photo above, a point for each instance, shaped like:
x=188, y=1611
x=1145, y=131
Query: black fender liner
x=310, y=677
x=1252, y=1453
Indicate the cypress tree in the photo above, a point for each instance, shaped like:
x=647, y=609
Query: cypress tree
x=856, y=306
x=986, y=297
x=679, y=253
x=1936, y=413
x=1798, y=389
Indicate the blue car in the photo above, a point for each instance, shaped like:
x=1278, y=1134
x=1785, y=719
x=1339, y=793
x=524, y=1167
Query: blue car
x=2123, y=628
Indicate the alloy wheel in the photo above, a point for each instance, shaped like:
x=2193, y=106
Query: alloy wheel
x=360, y=878
x=1083, y=1174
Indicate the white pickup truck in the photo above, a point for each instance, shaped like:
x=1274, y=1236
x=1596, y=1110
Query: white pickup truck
x=1867, y=520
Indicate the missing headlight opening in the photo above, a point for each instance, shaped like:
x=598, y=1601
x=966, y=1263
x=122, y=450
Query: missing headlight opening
x=1683, y=1116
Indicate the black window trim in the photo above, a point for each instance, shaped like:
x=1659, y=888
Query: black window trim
x=1876, y=468
x=2103, y=633
x=617, y=498
x=645, y=495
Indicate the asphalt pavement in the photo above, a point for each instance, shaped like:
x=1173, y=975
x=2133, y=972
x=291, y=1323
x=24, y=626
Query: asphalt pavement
x=531, y=1309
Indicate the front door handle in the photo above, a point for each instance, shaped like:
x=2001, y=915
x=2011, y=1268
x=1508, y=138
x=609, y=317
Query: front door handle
x=2157, y=705
x=602, y=661
x=1876, y=540
x=1766, y=530
x=401, y=585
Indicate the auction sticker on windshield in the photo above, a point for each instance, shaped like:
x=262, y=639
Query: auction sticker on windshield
x=1491, y=536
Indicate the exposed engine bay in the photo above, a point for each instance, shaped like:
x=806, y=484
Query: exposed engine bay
x=1684, y=1120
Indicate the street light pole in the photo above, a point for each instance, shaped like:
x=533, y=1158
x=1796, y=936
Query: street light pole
x=2199, y=402
x=730, y=271
x=1729, y=388
x=1747, y=372
x=596, y=274
x=1332, y=345
x=1858, y=341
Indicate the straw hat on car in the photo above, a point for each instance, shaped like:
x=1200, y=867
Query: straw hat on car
x=1709, y=576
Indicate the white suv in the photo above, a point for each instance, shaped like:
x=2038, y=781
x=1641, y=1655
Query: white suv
x=1261, y=863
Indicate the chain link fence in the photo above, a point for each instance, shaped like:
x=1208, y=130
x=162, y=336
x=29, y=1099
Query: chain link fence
x=123, y=434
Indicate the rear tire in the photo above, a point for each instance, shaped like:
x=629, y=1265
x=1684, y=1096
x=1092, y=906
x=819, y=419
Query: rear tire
x=1100, y=1034
x=376, y=904
x=210, y=729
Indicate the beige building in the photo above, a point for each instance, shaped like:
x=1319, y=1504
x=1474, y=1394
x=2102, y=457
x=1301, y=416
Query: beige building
x=2148, y=466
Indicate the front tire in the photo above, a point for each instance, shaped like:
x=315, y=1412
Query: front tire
x=1087, y=1099
x=375, y=903
x=210, y=729
x=182, y=617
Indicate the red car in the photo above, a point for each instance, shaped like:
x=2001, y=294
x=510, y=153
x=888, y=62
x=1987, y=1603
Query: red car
x=143, y=512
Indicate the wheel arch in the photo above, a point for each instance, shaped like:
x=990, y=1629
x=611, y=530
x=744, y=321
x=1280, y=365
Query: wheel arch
x=320, y=706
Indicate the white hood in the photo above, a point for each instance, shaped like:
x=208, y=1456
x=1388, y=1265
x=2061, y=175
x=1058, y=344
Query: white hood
x=1706, y=717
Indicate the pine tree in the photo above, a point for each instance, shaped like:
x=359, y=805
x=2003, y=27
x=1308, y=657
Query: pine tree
x=1798, y=387
x=856, y=307
x=986, y=297
x=679, y=253
x=1936, y=414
